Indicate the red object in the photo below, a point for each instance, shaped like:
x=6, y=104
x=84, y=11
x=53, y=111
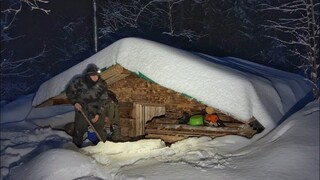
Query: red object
x=211, y=118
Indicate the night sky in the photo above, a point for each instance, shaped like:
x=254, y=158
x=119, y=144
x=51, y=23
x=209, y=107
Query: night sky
x=39, y=27
x=231, y=28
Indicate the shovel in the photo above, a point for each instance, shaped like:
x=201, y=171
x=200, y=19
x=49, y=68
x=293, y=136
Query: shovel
x=91, y=125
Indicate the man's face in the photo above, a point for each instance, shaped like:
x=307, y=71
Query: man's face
x=94, y=78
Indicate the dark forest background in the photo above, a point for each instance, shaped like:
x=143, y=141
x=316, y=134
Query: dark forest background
x=45, y=38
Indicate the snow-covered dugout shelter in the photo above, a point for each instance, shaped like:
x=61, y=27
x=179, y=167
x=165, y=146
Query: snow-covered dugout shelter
x=152, y=79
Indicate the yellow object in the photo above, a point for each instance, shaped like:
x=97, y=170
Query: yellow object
x=209, y=110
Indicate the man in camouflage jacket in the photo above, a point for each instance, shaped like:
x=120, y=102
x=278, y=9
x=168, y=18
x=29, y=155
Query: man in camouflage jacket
x=89, y=93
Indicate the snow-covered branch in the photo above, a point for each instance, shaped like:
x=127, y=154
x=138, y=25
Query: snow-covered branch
x=71, y=42
x=13, y=67
x=118, y=15
x=8, y=15
x=186, y=33
x=298, y=28
x=9, y=65
x=20, y=67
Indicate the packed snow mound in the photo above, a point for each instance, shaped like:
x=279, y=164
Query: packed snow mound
x=72, y=165
x=22, y=105
x=200, y=152
x=126, y=153
x=250, y=91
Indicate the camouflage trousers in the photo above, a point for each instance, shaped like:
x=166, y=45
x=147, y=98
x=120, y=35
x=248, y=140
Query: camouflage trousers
x=81, y=127
x=112, y=112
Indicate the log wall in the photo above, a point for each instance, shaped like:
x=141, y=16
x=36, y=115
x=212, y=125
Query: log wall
x=134, y=89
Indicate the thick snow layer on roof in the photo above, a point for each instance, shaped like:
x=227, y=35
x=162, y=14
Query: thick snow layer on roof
x=236, y=87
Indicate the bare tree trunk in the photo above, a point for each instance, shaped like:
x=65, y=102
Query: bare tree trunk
x=95, y=26
x=170, y=18
x=314, y=51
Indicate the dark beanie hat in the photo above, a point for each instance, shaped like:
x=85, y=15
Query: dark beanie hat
x=92, y=70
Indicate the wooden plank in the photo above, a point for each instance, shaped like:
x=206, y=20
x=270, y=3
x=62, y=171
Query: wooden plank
x=111, y=71
x=116, y=78
x=173, y=136
x=166, y=138
x=171, y=129
x=192, y=128
x=165, y=121
x=234, y=124
x=143, y=112
x=188, y=133
x=60, y=101
x=152, y=111
x=139, y=119
x=114, y=74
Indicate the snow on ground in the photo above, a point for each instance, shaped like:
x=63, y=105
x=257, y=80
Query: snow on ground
x=290, y=151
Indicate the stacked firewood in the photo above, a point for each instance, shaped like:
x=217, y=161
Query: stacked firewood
x=170, y=131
